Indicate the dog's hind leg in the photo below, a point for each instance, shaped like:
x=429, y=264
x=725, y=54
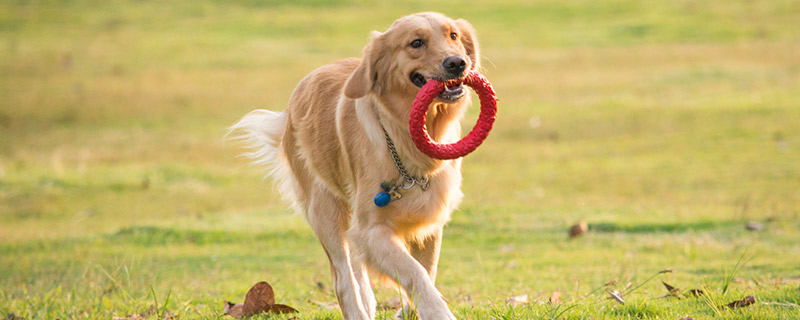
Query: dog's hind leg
x=427, y=252
x=328, y=217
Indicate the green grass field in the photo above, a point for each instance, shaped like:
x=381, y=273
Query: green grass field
x=666, y=125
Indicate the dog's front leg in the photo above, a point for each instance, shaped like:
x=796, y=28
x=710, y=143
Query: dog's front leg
x=426, y=252
x=387, y=252
x=326, y=216
x=362, y=279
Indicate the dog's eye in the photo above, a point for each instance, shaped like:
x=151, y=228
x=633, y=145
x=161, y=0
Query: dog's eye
x=453, y=35
x=416, y=43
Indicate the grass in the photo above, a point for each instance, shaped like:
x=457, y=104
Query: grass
x=666, y=125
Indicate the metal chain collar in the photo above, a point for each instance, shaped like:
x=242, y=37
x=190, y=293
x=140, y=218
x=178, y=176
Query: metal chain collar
x=408, y=181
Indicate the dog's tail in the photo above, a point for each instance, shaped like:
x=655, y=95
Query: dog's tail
x=262, y=132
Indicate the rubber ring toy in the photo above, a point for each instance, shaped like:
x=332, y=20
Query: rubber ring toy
x=419, y=131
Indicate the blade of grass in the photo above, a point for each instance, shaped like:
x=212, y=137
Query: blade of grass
x=155, y=299
x=736, y=268
x=166, y=303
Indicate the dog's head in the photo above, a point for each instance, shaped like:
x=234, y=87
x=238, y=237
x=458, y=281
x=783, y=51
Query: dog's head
x=416, y=48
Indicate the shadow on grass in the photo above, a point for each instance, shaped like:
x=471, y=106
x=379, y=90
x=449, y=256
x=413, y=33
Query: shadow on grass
x=161, y=236
x=663, y=227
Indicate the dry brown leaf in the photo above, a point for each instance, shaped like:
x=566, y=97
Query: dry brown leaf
x=258, y=298
x=672, y=290
x=578, y=229
x=746, y=301
x=555, y=298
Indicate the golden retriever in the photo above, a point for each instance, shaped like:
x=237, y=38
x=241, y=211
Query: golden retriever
x=329, y=154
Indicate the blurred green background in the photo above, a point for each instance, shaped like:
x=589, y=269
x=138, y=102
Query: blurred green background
x=666, y=125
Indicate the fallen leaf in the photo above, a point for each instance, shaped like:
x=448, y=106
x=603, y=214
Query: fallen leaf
x=746, y=301
x=617, y=296
x=555, y=298
x=517, y=300
x=686, y=318
x=578, y=229
x=279, y=309
x=672, y=290
x=234, y=310
x=258, y=298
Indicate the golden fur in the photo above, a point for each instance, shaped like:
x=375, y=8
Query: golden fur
x=329, y=156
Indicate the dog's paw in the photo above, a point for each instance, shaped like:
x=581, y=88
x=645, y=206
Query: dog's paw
x=443, y=314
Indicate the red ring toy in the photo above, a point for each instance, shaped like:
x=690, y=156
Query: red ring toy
x=419, y=131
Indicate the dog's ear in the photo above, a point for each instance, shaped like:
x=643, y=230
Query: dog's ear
x=365, y=77
x=470, y=42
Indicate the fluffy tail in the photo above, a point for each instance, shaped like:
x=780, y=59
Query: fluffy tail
x=262, y=132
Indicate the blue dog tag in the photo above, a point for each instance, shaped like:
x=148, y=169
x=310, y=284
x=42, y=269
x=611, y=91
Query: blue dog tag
x=382, y=199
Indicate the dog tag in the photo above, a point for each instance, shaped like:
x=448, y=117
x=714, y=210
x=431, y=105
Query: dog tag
x=382, y=199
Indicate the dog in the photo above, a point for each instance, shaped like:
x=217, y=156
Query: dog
x=332, y=148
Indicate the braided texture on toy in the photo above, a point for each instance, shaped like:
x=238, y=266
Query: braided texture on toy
x=419, y=131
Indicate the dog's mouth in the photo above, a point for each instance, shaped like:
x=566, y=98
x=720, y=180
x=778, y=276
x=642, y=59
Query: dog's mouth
x=453, y=89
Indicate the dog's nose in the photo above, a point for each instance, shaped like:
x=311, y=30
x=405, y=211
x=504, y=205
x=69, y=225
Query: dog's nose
x=454, y=65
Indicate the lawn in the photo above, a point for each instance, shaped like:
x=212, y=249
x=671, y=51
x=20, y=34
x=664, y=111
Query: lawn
x=667, y=126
